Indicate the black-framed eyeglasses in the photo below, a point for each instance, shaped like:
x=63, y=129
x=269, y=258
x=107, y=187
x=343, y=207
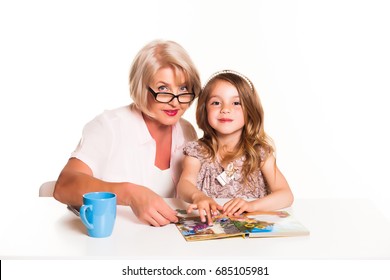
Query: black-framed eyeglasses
x=166, y=97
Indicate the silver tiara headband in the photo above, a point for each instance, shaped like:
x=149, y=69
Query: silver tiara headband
x=230, y=72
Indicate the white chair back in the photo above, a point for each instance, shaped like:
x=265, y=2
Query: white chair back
x=47, y=189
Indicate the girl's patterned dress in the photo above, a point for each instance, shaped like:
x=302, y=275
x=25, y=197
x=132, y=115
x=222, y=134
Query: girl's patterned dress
x=207, y=178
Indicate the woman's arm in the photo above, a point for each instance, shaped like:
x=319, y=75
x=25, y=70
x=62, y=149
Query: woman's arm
x=76, y=179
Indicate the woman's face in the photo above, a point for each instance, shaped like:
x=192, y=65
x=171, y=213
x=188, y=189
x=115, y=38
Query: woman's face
x=166, y=81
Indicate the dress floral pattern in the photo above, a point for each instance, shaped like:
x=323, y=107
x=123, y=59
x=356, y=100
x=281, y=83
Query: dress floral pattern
x=209, y=171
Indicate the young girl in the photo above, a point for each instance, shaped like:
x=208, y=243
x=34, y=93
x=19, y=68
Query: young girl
x=234, y=158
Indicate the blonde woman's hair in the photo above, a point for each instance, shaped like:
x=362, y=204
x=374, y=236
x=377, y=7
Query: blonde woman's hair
x=154, y=56
x=254, y=141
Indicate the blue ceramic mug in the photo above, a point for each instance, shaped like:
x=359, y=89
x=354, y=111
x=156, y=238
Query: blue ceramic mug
x=98, y=213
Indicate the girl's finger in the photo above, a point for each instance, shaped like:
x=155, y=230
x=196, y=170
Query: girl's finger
x=191, y=208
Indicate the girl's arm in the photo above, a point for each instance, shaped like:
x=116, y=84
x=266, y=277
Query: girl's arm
x=187, y=190
x=280, y=193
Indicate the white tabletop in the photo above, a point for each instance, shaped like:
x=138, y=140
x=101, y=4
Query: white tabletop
x=339, y=229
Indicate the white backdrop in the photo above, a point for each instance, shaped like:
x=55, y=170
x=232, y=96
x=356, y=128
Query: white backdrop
x=321, y=67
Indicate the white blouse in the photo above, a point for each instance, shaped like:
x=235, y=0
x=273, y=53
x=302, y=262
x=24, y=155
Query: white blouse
x=118, y=147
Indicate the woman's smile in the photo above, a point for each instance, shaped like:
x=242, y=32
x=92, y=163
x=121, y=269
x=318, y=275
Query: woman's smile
x=171, y=113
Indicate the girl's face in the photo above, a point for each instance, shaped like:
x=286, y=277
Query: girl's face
x=224, y=110
x=166, y=81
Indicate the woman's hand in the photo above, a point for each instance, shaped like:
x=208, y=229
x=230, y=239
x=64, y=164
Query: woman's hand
x=150, y=208
x=205, y=205
x=237, y=206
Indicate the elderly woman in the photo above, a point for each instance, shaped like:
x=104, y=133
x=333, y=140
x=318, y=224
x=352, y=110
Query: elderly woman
x=136, y=151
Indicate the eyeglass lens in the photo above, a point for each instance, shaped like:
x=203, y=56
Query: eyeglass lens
x=168, y=97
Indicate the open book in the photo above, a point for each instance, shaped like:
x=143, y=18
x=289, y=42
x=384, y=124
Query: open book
x=256, y=224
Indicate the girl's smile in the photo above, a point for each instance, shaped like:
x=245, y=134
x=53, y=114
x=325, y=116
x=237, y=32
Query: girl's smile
x=225, y=120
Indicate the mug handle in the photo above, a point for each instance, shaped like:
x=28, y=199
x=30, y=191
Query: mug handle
x=83, y=216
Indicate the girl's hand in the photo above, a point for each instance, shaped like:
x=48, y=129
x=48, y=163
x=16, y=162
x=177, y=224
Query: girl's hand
x=237, y=206
x=205, y=205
